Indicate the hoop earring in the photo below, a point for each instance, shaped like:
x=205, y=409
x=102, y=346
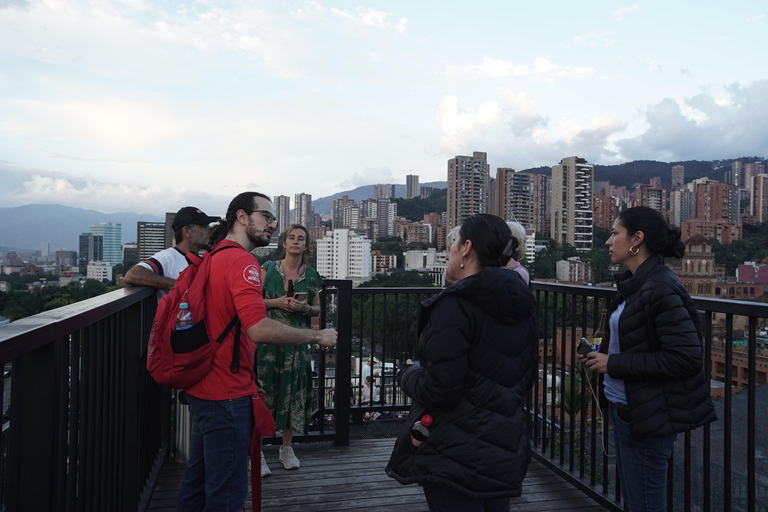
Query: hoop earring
x=637, y=250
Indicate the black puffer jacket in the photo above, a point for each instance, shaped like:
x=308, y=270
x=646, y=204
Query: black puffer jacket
x=661, y=359
x=478, y=351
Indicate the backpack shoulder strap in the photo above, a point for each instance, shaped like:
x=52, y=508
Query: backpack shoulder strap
x=234, y=366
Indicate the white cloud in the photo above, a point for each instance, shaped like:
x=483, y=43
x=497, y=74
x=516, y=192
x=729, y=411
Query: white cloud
x=515, y=133
x=542, y=67
x=757, y=17
x=652, y=64
x=620, y=14
x=721, y=128
x=368, y=17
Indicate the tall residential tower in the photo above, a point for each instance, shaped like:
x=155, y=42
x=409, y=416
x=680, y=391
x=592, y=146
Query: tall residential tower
x=467, y=187
x=572, y=184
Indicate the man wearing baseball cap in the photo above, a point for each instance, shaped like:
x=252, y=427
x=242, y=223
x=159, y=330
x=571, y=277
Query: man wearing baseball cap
x=190, y=227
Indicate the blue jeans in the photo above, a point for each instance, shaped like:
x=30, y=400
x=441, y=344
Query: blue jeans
x=642, y=467
x=445, y=499
x=216, y=475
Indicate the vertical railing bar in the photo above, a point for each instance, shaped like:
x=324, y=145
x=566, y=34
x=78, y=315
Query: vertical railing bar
x=728, y=420
x=561, y=409
x=534, y=407
x=555, y=341
x=545, y=387
x=61, y=357
x=572, y=379
x=751, y=414
x=706, y=449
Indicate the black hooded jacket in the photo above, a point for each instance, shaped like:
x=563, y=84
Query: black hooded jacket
x=478, y=355
x=661, y=359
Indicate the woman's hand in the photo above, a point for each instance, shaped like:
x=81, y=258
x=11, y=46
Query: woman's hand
x=595, y=361
x=288, y=304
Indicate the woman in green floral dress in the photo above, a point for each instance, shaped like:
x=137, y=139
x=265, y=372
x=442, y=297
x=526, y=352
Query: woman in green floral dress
x=285, y=370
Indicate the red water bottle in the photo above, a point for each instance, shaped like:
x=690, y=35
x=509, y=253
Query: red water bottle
x=420, y=430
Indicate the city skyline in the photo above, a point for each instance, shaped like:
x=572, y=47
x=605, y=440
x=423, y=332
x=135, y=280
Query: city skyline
x=138, y=106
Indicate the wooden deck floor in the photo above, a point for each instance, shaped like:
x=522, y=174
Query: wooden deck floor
x=352, y=478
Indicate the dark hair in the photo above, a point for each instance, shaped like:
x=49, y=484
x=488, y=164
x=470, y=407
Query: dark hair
x=179, y=235
x=492, y=239
x=659, y=238
x=243, y=201
x=285, y=236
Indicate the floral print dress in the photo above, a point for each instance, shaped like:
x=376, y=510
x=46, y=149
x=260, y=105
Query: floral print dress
x=285, y=371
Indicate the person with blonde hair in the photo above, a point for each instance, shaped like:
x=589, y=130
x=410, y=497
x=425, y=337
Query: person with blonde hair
x=518, y=234
x=285, y=371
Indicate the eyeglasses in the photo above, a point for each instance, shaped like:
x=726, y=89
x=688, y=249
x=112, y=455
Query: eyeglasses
x=268, y=216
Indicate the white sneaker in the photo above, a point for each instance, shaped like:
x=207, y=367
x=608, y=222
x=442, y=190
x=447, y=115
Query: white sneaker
x=265, y=471
x=288, y=458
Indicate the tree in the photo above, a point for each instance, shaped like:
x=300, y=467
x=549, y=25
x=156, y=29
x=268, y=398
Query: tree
x=409, y=279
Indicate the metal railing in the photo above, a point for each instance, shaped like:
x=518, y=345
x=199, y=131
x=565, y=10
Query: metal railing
x=88, y=429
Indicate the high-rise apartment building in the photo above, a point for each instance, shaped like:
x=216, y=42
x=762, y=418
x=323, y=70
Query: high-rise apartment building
x=66, y=258
x=521, y=198
x=386, y=213
x=467, y=187
x=170, y=237
x=411, y=186
x=344, y=254
x=682, y=206
x=572, y=183
x=651, y=195
x=303, y=209
x=677, y=177
x=384, y=191
x=45, y=251
x=130, y=254
x=150, y=239
x=737, y=168
x=514, y=196
x=499, y=191
x=111, y=232
x=283, y=212
x=717, y=201
x=605, y=210
x=91, y=248
x=542, y=204
x=759, y=200
x=337, y=212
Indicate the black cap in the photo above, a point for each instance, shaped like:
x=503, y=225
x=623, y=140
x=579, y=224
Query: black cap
x=191, y=215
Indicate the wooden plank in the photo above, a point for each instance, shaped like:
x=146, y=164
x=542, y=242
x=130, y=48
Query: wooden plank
x=352, y=477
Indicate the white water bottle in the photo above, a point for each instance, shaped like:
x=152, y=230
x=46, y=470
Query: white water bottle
x=184, y=318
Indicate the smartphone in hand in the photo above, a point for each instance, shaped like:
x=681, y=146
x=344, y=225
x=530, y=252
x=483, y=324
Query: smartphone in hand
x=584, y=347
x=300, y=296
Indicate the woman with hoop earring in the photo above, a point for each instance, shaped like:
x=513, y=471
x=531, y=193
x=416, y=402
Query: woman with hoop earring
x=654, y=375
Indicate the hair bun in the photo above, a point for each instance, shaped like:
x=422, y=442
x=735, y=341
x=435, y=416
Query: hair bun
x=675, y=246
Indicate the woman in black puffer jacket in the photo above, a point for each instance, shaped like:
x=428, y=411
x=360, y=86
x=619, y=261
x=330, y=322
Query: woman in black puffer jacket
x=654, y=377
x=478, y=355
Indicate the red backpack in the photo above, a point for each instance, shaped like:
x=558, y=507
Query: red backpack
x=179, y=359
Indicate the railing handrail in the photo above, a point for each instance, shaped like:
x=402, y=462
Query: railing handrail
x=32, y=332
x=49, y=331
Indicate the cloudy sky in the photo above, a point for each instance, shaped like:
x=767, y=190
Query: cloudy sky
x=145, y=106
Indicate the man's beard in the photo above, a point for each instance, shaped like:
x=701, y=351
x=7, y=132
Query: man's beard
x=257, y=240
